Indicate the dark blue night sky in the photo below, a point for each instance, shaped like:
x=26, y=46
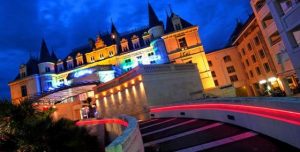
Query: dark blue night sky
x=67, y=24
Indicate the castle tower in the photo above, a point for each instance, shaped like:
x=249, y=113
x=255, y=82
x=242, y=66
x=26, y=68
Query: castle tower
x=156, y=27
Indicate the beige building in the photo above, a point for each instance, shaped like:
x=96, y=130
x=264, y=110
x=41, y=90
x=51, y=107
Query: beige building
x=255, y=58
x=283, y=65
x=148, y=85
x=227, y=70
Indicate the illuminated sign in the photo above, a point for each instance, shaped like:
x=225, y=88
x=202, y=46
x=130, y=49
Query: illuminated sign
x=82, y=73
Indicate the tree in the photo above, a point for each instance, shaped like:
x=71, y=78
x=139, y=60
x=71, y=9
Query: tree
x=23, y=128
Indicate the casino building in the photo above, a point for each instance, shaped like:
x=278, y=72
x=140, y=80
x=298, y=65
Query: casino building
x=111, y=55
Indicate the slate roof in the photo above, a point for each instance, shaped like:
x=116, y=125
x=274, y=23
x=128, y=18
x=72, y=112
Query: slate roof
x=153, y=19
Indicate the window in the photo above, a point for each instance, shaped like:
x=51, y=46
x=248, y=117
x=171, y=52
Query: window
x=92, y=58
x=267, y=67
x=274, y=38
x=262, y=54
x=127, y=61
x=150, y=54
x=23, y=74
x=258, y=71
x=178, y=27
x=80, y=62
x=213, y=73
x=101, y=56
x=251, y=74
x=243, y=51
x=249, y=46
x=216, y=82
x=253, y=58
x=70, y=66
x=61, y=81
x=111, y=53
x=182, y=43
x=61, y=68
x=259, y=4
x=130, y=68
x=24, y=91
x=247, y=62
x=227, y=58
x=139, y=59
x=47, y=69
x=209, y=63
x=49, y=84
x=152, y=62
x=233, y=78
x=256, y=40
x=230, y=69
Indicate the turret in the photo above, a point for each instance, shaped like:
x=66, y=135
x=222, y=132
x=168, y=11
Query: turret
x=46, y=61
x=156, y=27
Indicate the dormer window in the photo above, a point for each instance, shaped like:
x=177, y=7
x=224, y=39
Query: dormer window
x=182, y=43
x=135, y=41
x=176, y=23
x=60, y=65
x=23, y=71
x=70, y=62
x=101, y=56
x=111, y=53
x=99, y=43
x=92, y=58
x=23, y=74
x=146, y=37
x=177, y=27
x=124, y=44
x=47, y=70
x=79, y=59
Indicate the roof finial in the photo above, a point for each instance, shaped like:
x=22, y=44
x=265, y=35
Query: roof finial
x=170, y=7
x=167, y=13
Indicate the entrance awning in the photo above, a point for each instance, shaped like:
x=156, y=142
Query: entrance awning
x=61, y=94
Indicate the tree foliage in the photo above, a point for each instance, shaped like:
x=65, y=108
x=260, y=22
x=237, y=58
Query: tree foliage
x=23, y=128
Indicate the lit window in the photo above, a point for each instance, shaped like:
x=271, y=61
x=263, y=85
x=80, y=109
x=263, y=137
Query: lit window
x=101, y=56
x=111, y=53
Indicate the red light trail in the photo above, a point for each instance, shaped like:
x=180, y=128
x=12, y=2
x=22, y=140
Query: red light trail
x=276, y=114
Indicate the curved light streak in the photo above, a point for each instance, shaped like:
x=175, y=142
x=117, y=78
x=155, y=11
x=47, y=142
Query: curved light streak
x=271, y=113
x=102, y=121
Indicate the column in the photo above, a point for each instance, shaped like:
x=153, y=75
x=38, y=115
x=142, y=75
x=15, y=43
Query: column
x=285, y=86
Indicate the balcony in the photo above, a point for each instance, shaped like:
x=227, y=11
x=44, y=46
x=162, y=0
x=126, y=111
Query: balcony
x=291, y=16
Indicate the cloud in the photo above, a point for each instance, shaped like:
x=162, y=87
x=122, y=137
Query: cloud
x=67, y=24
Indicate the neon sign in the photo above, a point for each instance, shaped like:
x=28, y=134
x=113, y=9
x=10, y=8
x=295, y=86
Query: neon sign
x=82, y=73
